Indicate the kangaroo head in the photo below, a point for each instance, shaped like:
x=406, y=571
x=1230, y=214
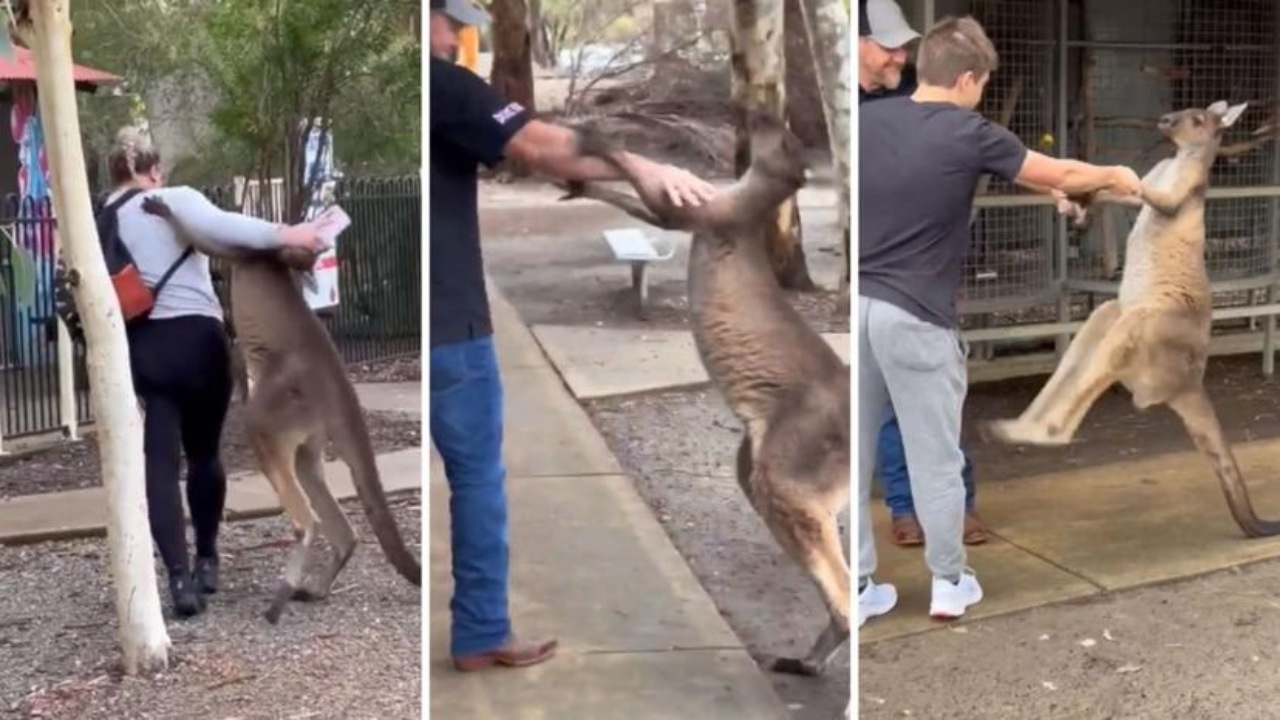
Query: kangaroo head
x=775, y=150
x=1196, y=127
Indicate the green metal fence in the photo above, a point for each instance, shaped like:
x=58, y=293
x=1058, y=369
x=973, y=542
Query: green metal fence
x=379, y=314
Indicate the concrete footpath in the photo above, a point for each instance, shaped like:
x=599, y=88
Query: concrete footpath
x=83, y=513
x=1084, y=533
x=639, y=637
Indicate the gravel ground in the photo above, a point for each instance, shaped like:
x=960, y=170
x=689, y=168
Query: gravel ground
x=401, y=369
x=73, y=465
x=356, y=655
x=680, y=448
x=1189, y=650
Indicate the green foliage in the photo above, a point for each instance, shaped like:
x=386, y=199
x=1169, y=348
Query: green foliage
x=239, y=75
x=275, y=63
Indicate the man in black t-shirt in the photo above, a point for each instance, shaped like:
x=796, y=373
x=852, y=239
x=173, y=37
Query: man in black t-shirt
x=472, y=125
x=883, y=72
x=920, y=158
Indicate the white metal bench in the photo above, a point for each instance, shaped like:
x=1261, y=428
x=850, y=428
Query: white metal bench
x=631, y=245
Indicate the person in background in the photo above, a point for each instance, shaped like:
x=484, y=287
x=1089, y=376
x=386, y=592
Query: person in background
x=884, y=71
x=471, y=125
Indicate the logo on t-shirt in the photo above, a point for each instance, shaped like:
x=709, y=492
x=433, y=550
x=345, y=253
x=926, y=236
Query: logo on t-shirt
x=508, y=112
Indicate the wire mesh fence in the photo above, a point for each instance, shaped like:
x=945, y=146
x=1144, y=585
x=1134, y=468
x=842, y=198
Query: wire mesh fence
x=1089, y=79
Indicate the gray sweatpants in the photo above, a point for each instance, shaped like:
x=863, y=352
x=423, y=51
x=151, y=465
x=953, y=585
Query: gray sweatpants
x=920, y=368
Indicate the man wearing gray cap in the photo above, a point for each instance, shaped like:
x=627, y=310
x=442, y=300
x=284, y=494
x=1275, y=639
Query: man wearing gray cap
x=472, y=125
x=883, y=37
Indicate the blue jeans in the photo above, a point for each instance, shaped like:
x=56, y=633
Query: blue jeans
x=466, y=428
x=891, y=459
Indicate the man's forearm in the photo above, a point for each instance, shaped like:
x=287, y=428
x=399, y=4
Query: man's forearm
x=1081, y=177
x=577, y=167
x=552, y=149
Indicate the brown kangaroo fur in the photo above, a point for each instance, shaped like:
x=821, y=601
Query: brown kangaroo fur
x=786, y=385
x=299, y=397
x=1154, y=338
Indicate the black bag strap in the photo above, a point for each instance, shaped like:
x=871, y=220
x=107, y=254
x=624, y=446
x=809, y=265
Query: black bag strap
x=114, y=207
x=125, y=197
x=172, y=269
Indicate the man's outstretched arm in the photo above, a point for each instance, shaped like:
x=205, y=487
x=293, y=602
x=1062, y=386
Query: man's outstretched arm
x=553, y=149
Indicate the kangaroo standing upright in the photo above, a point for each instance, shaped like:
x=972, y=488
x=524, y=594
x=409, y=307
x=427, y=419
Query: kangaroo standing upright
x=299, y=397
x=781, y=379
x=1154, y=338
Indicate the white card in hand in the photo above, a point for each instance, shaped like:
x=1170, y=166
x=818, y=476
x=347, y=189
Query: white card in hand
x=331, y=222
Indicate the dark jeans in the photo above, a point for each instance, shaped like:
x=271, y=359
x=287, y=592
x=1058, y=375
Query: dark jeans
x=892, y=461
x=466, y=428
x=181, y=374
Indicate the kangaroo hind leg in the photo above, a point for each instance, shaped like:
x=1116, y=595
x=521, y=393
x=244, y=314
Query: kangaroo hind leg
x=1104, y=354
x=793, y=495
x=1196, y=411
x=334, y=524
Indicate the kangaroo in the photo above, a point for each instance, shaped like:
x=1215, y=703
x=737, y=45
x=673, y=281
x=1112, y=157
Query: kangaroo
x=299, y=397
x=786, y=385
x=1153, y=338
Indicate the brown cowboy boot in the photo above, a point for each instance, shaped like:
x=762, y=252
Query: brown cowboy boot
x=906, y=531
x=974, y=532
x=513, y=653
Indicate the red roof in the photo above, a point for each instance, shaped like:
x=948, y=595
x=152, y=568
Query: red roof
x=21, y=67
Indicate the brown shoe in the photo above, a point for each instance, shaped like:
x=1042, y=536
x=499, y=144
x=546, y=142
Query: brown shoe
x=906, y=531
x=974, y=532
x=513, y=654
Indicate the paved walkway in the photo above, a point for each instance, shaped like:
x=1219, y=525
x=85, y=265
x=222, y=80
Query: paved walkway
x=640, y=638
x=1087, y=532
x=83, y=513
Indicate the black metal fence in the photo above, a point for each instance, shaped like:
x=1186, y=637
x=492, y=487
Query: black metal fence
x=378, y=315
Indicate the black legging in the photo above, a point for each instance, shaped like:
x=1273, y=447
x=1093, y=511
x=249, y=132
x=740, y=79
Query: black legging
x=181, y=373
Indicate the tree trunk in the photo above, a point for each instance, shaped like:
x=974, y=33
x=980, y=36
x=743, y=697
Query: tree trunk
x=512, y=74
x=827, y=25
x=757, y=40
x=45, y=25
x=541, y=51
x=805, y=114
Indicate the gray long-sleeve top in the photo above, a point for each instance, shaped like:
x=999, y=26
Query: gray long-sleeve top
x=155, y=247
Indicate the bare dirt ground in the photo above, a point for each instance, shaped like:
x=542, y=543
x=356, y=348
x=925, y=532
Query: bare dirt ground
x=680, y=447
x=1248, y=405
x=1190, y=650
x=75, y=465
x=355, y=655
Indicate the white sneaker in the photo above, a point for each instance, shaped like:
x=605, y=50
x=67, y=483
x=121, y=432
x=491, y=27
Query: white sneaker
x=950, y=600
x=875, y=600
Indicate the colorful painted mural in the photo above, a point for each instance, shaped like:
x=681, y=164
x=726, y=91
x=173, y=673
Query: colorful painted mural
x=33, y=230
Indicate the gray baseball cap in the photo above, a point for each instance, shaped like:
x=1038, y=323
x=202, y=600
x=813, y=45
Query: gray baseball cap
x=462, y=11
x=884, y=23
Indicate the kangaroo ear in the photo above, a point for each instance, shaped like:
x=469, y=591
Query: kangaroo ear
x=1233, y=114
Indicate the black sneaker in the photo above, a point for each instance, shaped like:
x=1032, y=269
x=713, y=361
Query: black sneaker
x=207, y=574
x=186, y=601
